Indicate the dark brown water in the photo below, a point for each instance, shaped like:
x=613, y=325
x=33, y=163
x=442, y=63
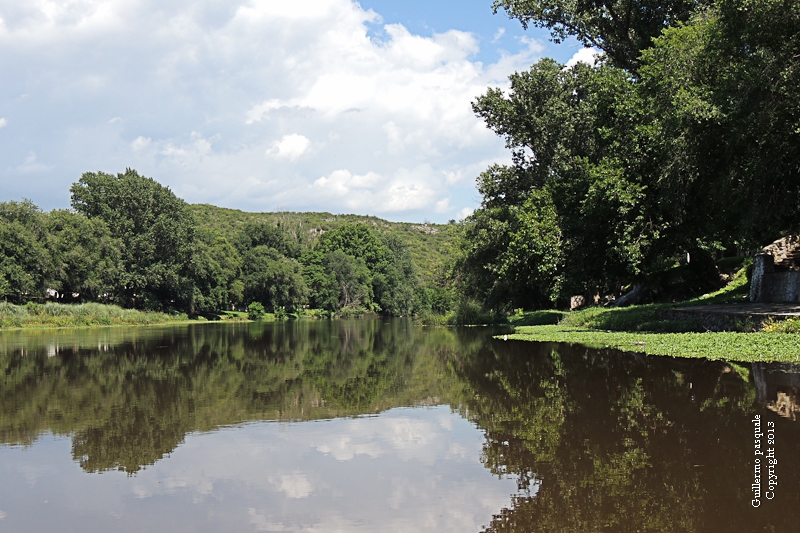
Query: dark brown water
x=382, y=426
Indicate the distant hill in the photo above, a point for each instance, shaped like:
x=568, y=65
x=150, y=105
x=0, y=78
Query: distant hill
x=427, y=242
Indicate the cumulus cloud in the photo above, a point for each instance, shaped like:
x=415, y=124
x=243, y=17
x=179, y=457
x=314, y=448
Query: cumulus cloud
x=584, y=55
x=290, y=147
x=140, y=143
x=404, y=191
x=3, y=122
x=201, y=90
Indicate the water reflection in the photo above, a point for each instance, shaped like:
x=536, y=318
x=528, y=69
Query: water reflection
x=576, y=439
x=778, y=387
x=131, y=402
x=407, y=470
x=606, y=441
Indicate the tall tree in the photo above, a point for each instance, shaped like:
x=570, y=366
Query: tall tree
x=572, y=213
x=157, y=232
x=86, y=259
x=24, y=261
x=273, y=279
x=216, y=271
x=353, y=278
x=388, y=262
x=725, y=90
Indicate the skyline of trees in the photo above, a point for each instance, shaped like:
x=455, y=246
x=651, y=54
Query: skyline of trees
x=129, y=240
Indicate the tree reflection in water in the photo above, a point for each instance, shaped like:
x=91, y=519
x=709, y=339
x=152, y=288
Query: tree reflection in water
x=596, y=440
x=606, y=441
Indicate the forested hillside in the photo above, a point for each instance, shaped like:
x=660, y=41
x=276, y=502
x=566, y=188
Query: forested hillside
x=129, y=240
x=427, y=242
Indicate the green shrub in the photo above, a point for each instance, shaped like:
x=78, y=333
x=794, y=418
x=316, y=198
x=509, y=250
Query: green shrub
x=352, y=311
x=255, y=311
x=33, y=308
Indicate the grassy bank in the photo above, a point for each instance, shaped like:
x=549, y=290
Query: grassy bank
x=657, y=329
x=728, y=345
x=52, y=315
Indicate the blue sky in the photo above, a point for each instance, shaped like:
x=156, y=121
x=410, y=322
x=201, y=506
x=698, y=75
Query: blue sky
x=495, y=32
x=313, y=105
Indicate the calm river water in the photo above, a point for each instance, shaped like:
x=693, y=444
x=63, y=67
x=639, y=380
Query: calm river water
x=378, y=425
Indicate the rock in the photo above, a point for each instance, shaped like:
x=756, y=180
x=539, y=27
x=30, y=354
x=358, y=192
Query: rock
x=785, y=252
x=576, y=302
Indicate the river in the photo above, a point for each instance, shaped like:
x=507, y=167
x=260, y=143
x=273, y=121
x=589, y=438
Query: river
x=381, y=425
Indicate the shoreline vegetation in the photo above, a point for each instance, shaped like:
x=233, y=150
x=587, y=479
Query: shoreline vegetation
x=657, y=329
x=654, y=329
x=129, y=241
x=760, y=346
x=53, y=315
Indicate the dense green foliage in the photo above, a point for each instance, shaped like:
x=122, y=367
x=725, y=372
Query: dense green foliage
x=156, y=232
x=427, y=243
x=683, y=139
x=132, y=242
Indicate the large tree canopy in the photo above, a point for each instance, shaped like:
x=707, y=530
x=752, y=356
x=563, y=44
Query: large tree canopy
x=156, y=230
x=616, y=176
x=372, y=271
x=24, y=262
x=86, y=259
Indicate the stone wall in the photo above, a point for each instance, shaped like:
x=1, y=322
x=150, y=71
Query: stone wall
x=770, y=286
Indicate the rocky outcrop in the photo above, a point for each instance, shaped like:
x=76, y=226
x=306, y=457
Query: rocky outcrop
x=785, y=253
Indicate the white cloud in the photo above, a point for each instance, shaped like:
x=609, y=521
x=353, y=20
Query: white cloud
x=373, y=193
x=3, y=122
x=584, y=55
x=207, y=87
x=2, y=515
x=290, y=147
x=140, y=143
x=32, y=166
x=464, y=213
x=499, y=34
x=442, y=206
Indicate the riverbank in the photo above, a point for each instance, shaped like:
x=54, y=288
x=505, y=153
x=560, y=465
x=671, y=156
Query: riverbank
x=53, y=315
x=720, y=325
x=725, y=345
